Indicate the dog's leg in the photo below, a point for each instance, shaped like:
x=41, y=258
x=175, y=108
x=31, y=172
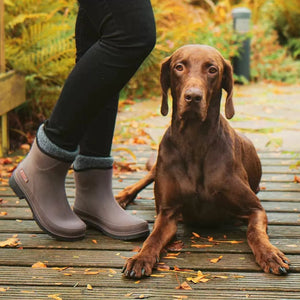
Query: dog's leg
x=164, y=230
x=244, y=202
x=129, y=193
x=271, y=259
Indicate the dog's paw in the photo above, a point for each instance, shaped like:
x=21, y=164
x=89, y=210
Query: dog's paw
x=272, y=260
x=125, y=197
x=139, y=266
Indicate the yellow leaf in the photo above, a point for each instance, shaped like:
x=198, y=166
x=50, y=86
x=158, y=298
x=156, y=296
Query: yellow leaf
x=199, y=278
x=89, y=287
x=215, y=260
x=55, y=296
x=11, y=242
x=91, y=272
x=201, y=246
x=184, y=286
x=38, y=265
x=195, y=234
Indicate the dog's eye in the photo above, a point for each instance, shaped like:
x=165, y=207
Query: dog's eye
x=179, y=67
x=212, y=70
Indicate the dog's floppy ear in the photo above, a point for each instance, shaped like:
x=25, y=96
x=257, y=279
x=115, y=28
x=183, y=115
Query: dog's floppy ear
x=165, y=85
x=227, y=85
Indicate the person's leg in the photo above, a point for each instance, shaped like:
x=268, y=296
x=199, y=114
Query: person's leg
x=127, y=35
x=98, y=137
x=94, y=200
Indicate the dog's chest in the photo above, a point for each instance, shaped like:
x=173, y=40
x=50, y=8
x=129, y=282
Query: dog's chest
x=201, y=204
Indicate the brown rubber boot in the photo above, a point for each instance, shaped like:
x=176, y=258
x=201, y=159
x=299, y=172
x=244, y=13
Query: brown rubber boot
x=96, y=205
x=40, y=179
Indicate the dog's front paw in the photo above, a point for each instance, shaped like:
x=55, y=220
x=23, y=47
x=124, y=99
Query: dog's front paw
x=139, y=265
x=272, y=260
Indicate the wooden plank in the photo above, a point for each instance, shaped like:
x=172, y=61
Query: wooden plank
x=149, y=215
x=274, y=231
x=242, y=262
x=99, y=241
x=2, y=38
x=12, y=91
x=104, y=277
x=78, y=292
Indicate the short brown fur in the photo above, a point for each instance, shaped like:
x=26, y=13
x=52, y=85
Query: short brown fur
x=205, y=172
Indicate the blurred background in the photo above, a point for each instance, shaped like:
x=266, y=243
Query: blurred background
x=39, y=42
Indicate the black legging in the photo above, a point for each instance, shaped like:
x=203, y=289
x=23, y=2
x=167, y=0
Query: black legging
x=113, y=37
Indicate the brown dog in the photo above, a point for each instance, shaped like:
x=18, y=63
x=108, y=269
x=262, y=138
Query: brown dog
x=205, y=171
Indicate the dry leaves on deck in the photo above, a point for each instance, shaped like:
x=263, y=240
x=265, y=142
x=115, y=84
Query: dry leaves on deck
x=296, y=179
x=215, y=260
x=38, y=265
x=10, y=242
x=184, y=286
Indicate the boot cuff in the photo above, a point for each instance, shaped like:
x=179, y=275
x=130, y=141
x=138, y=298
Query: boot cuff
x=83, y=162
x=53, y=150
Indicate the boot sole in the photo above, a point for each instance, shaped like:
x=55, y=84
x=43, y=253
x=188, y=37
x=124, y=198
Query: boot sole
x=21, y=195
x=95, y=225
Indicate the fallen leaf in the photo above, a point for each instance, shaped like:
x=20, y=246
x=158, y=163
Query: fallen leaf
x=67, y=274
x=4, y=289
x=200, y=246
x=157, y=275
x=137, y=282
x=296, y=179
x=89, y=287
x=5, y=161
x=38, y=265
x=196, y=235
x=182, y=270
x=175, y=246
x=3, y=213
x=91, y=272
x=184, y=286
x=94, y=241
x=55, y=296
x=129, y=294
x=11, y=242
x=215, y=260
x=199, y=278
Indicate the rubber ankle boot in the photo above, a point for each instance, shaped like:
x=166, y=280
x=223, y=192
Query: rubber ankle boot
x=96, y=205
x=40, y=179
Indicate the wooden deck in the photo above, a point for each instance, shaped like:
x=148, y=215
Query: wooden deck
x=91, y=268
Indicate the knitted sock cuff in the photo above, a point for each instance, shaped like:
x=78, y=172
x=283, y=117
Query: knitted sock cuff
x=53, y=150
x=83, y=162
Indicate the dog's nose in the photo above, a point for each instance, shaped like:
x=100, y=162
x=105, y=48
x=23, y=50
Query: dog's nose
x=193, y=94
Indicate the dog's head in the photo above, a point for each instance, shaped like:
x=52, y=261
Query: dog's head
x=196, y=74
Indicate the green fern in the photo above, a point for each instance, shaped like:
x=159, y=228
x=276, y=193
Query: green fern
x=40, y=44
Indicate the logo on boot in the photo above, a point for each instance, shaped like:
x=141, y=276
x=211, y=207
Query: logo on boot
x=23, y=175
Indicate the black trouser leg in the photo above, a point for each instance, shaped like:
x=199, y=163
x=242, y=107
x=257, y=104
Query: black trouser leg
x=126, y=35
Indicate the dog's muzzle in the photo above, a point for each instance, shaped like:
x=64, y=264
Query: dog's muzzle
x=193, y=104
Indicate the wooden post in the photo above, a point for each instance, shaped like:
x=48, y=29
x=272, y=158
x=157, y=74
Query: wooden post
x=4, y=147
x=2, y=38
